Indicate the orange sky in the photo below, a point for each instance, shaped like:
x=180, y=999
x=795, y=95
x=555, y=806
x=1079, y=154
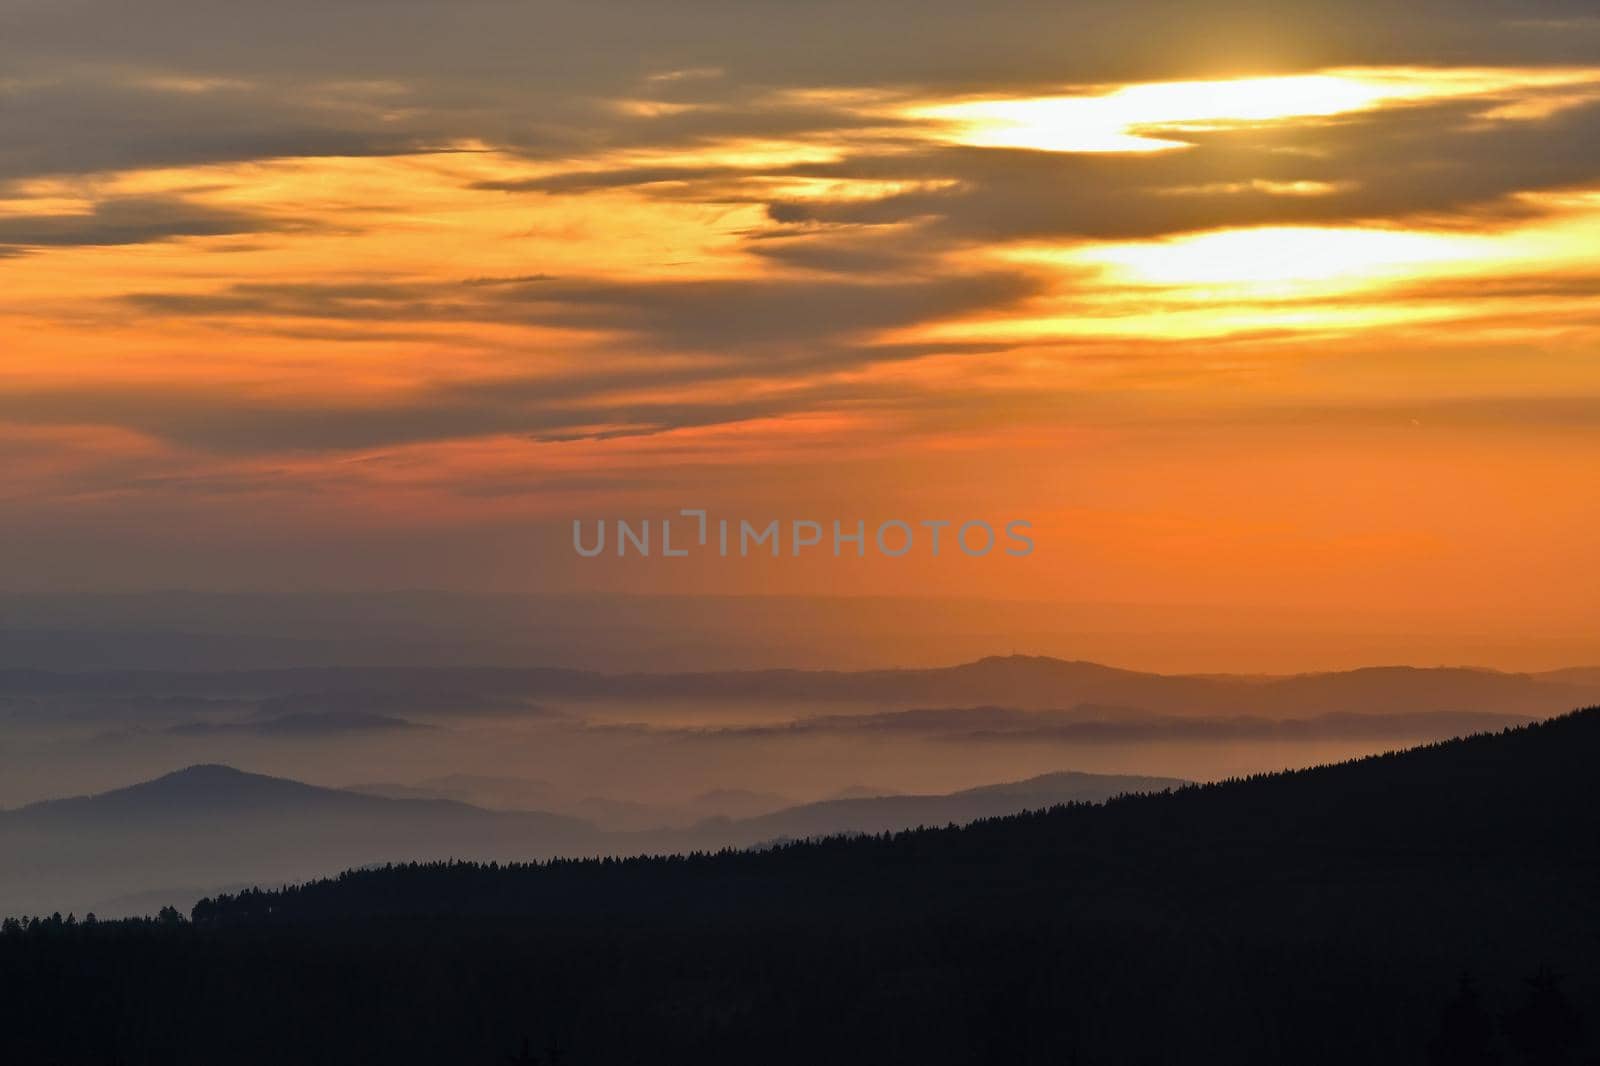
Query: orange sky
x=1304, y=329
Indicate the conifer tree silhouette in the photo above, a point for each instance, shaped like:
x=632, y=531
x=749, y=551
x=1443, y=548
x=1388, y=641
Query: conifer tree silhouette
x=525, y=1057
x=1546, y=1029
x=1466, y=1031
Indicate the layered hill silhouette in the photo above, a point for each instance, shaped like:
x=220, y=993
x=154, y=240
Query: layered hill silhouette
x=1429, y=906
x=207, y=826
x=879, y=814
x=198, y=829
x=1017, y=681
x=1493, y=807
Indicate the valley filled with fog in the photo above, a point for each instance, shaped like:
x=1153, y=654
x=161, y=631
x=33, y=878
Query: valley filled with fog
x=637, y=750
x=203, y=781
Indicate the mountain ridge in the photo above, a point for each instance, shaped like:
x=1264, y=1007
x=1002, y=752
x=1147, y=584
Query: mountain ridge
x=213, y=824
x=1525, y=792
x=1034, y=682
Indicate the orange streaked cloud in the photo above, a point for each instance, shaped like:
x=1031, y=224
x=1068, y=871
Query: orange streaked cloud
x=452, y=292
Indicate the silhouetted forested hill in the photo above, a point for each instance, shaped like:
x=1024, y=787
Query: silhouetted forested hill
x=1432, y=906
x=212, y=826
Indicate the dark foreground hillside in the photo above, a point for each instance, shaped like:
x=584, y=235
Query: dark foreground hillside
x=1436, y=905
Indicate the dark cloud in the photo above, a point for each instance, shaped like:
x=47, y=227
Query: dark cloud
x=781, y=330
x=561, y=409
x=1438, y=164
x=575, y=43
x=377, y=301
x=98, y=84
x=1432, y=163
x=761, y=331
x=851, y=252
x=730, y=316
x=134, y=220
x=577, y=181
x=740, y=315
x=106, y=122
x=778, y=326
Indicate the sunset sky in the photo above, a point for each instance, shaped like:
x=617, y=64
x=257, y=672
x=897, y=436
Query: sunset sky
x=1278, y=304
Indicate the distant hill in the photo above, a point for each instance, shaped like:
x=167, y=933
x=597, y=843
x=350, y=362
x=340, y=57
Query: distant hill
x=203, y=792
x=878, y=814
x=1577, y=675
x=210, y=825
x=1017, y=681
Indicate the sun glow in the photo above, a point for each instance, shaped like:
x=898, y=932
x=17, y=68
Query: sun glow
x=1301, y=262
x=1299, y=280
x=1285, y=260
x=1135, y=117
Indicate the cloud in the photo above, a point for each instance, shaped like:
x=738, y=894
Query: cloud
x=225, y=422
x=749, y=334
x=1424, y=163
x=134, y=220
x=729, y=316
x=99, y=119
x=870, y=226
x=743, y=316
x=95, y=84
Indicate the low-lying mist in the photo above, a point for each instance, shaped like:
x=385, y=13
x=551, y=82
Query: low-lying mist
x=630, y=751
